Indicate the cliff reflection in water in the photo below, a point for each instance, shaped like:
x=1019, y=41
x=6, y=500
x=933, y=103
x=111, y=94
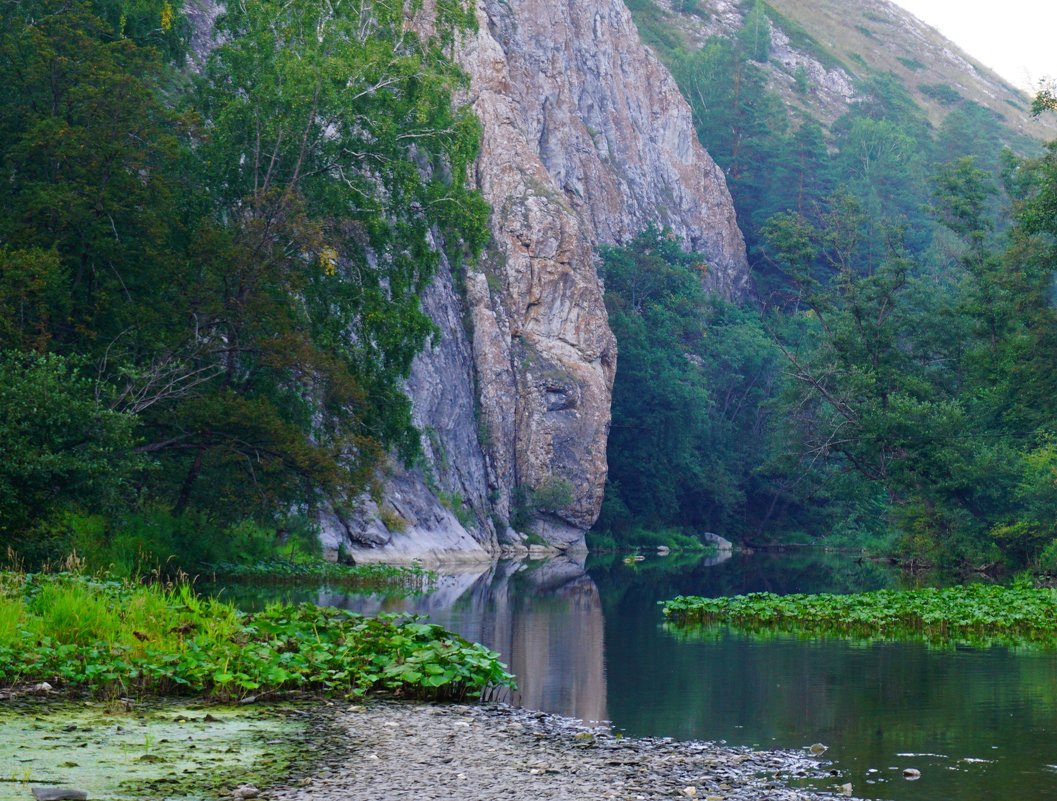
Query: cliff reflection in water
x=545, y=619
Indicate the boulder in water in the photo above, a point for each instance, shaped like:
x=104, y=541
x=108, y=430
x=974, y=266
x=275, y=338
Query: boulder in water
x=717, y=542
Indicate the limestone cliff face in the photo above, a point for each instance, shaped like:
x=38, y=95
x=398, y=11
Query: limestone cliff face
x=586, y=140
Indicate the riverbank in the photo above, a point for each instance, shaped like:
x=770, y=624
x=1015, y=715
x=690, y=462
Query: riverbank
x=115, y=638
x=480, y=753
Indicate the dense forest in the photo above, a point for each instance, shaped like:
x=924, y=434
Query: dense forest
x=210, y=266
x=891, y=384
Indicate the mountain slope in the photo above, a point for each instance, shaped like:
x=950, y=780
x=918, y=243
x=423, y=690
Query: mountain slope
x=834, y=43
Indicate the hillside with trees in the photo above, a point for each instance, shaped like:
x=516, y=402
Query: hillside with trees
x=891, y=383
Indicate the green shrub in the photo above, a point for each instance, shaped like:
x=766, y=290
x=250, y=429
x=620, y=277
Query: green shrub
x=600, y=541
x=552, y=494
x=1047, y=561
x=155, y=539
x=668, y=537
x=945, y=94
x=63, y=450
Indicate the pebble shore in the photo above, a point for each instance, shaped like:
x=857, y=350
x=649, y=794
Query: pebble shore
x=480, y=753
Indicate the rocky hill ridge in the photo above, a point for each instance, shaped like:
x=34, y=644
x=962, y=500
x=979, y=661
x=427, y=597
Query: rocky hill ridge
x=836, y=42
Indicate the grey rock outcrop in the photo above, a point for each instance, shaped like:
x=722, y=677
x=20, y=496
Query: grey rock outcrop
x=586, y=140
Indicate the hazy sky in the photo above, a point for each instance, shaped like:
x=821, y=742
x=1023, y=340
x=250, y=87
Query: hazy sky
x=1016, y=38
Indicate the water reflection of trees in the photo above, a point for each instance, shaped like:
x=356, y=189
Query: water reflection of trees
x=544, y=618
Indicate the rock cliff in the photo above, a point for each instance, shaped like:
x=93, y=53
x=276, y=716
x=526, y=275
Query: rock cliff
x=586, y=140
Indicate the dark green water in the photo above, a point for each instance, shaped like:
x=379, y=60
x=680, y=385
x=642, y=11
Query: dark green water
x=978, y=723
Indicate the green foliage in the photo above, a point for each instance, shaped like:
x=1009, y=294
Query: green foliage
x=238, y=262
x=691, y=7
x=1045, y=100
x=33, y=295
x=944, y=93
x=802, y=40
x=687, y=422
x=969, y=613
x=107, y=637
x=669, y=538
x=739, y=121
x=654, y=27
x=552, y=494
x=64, y=450
x=913, y=385
x=755, y=34
x=454, y=503
x=152, y=540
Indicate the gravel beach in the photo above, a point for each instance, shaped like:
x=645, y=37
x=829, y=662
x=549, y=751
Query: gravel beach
x=427, y=752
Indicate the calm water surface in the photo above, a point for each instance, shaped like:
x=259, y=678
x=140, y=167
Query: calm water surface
x=588, y=642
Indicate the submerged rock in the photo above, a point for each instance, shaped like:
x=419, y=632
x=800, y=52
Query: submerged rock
x=58, y=794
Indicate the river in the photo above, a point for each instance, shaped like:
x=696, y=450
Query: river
x=588, y=642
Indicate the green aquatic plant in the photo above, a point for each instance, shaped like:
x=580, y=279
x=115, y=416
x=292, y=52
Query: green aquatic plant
x=974, y=612
x=114, y=637
x=158, y=749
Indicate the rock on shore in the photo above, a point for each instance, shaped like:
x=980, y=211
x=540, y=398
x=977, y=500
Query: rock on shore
x=423, y=752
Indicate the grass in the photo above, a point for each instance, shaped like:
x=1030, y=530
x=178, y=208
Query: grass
x=650, y=539
x=656, y=29
x=974, y=612
x=372, y=577
x=113, y=637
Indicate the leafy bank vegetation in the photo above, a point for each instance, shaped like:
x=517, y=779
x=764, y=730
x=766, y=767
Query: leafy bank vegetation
x=974, y=612
x=112, y=637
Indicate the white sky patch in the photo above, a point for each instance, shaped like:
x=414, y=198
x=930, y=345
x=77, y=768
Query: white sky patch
x=1015, y=38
